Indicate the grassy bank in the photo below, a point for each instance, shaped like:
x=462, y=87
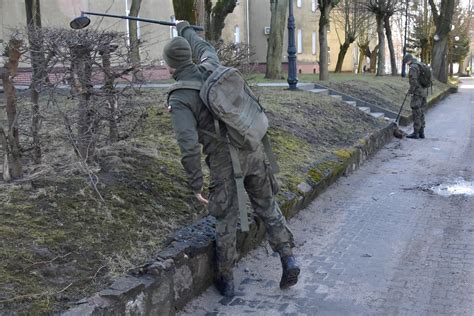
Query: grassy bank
x=59, y=241
x=387, y=92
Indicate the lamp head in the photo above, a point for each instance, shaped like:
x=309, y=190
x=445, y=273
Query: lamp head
x=80, y=22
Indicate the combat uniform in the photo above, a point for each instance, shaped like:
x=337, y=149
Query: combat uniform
x=418, y=98
x=193, y=125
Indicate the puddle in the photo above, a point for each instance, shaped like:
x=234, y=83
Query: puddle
x=457, y=187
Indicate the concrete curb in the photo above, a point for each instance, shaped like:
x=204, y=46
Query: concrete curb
x=184, y=268
x=407, y=120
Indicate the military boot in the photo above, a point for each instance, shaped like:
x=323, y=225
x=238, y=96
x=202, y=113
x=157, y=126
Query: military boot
x=413, y=135
x=225, y=284
x=290, y=272
x=421, y=134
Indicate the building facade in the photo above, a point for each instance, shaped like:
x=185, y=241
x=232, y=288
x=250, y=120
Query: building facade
x=249, y=23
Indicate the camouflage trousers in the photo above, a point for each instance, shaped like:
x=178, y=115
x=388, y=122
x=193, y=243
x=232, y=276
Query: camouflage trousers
x=417, y=106
x=261, y=187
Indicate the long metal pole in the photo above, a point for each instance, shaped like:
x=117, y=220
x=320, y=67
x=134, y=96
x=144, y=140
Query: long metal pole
x=126, y=17
x=404, y=72
x=292, y=78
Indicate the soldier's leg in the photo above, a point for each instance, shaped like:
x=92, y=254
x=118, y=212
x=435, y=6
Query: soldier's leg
x=261, y=190
x=223, y=206
x=261, y=186
x=417, y=113
x=416, y=109
x=422, y=119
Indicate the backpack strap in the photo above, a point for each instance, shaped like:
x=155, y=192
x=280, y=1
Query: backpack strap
x=239, y=182
x=267, y=147
x=190, y=85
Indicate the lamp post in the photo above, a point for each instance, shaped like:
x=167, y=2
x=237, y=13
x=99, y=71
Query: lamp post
x=292, y=78
x=404, y=73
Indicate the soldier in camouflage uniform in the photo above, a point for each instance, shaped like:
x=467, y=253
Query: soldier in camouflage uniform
x=418, y=98
x=194, y=125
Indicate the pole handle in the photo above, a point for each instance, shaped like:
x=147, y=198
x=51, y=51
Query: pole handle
x=399, y=112
x=168, y=23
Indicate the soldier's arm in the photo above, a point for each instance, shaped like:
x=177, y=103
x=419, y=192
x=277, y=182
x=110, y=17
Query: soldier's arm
x=201, y=49
x=413, y=79
x=185, y=128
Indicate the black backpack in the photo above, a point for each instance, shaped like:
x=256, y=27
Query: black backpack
x=425, y=78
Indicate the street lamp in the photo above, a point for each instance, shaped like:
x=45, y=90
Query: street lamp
x=292, y=78
x=83, y=21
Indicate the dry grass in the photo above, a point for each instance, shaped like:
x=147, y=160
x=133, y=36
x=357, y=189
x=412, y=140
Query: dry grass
x=54, y=212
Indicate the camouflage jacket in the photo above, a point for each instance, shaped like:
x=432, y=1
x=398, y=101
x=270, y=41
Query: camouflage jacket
x=415, y=86
x=189, y=114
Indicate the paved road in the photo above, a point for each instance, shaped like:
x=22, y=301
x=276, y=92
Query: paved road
x=379, y=241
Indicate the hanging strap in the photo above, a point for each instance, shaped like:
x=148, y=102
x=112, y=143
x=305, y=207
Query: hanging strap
x=239, y=182
x=267, y=147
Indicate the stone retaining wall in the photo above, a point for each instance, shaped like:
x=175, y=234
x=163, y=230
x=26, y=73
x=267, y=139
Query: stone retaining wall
x=184, y=269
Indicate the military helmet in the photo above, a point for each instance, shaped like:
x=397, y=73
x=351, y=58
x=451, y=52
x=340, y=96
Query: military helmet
x=407, y=58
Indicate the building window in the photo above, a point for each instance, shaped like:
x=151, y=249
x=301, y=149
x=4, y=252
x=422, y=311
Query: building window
x=298, y=3
x=314, y=5
x=237, y=34
x=300, y=41
x=313, y=42
x=173, y=30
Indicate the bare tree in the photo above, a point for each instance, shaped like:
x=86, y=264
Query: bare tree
x=218, y=14
x=279, y=9
x=186, y=9
x=382, y=8
x=134, y=40
x=388, y=33
x=214, y=15
x=79, y=58
x=442, y=17
x=374, y=56
x=350, y=16
x=325, y=7
x=10, y=137
x=236, y=55
x=421, y=37
x=460, y=39
x=33, y=19
x=365, y=34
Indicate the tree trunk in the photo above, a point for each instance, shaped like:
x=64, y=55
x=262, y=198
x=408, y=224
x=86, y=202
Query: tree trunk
x=82, y=68
x=6, y=163
x=279, y=10
x=11, y=136
x=111, y=100
x=388, y=32
x=219, y=12
x=439, y=61
x=201, y=17
x=381, y=47
x=362, y=49
x=340, y=57
x=443, y=20
x=137, y=75
x=33, y=19
x=323, y=43
x=184, y=10
x=373, y=58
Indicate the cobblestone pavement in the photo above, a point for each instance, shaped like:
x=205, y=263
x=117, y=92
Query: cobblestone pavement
x=378, y=242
